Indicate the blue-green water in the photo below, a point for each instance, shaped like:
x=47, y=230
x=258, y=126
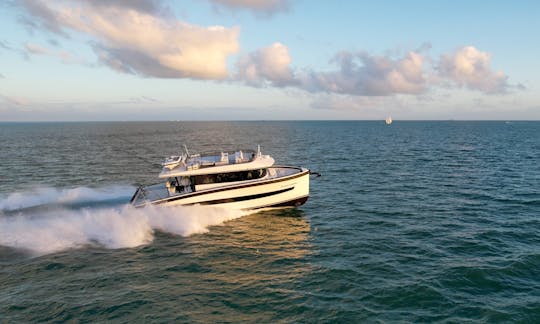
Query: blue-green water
x=417, y=221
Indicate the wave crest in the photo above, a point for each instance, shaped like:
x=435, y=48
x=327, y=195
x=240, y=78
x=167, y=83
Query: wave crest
x=44, y=231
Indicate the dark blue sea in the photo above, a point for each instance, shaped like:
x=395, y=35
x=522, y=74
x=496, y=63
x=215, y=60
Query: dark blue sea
x=412, y=222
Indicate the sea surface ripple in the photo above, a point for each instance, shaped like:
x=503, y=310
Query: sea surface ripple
x=413, y=222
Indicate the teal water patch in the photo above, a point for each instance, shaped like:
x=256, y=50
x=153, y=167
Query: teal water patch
x=414, y=222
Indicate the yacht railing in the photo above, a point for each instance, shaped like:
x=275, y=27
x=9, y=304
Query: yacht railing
x=282, y=171
x=230, y=157
x=149, y=193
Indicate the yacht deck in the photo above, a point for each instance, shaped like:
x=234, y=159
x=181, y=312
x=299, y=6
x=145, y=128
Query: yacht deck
x=159, y=191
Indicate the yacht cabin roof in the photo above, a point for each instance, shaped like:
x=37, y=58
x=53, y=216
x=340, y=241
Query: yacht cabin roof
x=212, y=163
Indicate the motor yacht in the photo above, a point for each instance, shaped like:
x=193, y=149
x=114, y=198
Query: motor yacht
x=242, y=179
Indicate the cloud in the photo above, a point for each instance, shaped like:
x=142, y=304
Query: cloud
x=47, y=18
x=146, y=6
x=142, y=37
x=154, y=46
x=257, y=6
x=267, y=66
x=53, y=42
x=362, y=74
x=359, y=74
x=35, y=49
x=143, y=100
x=469, y=67
x=5, y=46
x=64, y=56
x=50, y=15
x=14, y=100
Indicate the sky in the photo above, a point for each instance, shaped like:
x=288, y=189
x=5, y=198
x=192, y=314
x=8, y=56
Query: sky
x=93, y=60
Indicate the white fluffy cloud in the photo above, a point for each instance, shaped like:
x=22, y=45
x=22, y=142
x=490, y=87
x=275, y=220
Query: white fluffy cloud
x=142, y=37
x=359, y=74
x=363, y=74
x=267, y=66
x=366, y=75
x=154, y=45
x=469, y=67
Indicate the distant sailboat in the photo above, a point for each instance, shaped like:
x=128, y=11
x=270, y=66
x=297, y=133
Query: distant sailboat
x=388, y=120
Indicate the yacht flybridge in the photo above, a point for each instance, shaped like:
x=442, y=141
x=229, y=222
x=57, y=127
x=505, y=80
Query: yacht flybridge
x=244, y=179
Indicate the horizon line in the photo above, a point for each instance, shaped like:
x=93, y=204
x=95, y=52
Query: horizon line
x=265, y=120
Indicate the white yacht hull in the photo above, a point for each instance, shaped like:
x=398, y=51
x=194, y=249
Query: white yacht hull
x=277, y=192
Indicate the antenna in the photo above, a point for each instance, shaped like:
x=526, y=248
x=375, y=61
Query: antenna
x=187, y=152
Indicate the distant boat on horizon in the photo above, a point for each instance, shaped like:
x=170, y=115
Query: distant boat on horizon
x=388, y=120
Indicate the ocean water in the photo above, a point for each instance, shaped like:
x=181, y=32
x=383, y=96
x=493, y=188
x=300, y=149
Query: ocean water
x=413, y=222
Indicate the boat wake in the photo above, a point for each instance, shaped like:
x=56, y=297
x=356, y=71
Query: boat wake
x=49, y=220
x=46, y=197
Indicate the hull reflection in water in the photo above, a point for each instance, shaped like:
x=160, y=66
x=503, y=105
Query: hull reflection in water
x=256, y=249
x=241, y=263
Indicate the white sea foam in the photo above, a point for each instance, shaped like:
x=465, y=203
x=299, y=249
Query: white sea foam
x=46, y=195
x=122, y=227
